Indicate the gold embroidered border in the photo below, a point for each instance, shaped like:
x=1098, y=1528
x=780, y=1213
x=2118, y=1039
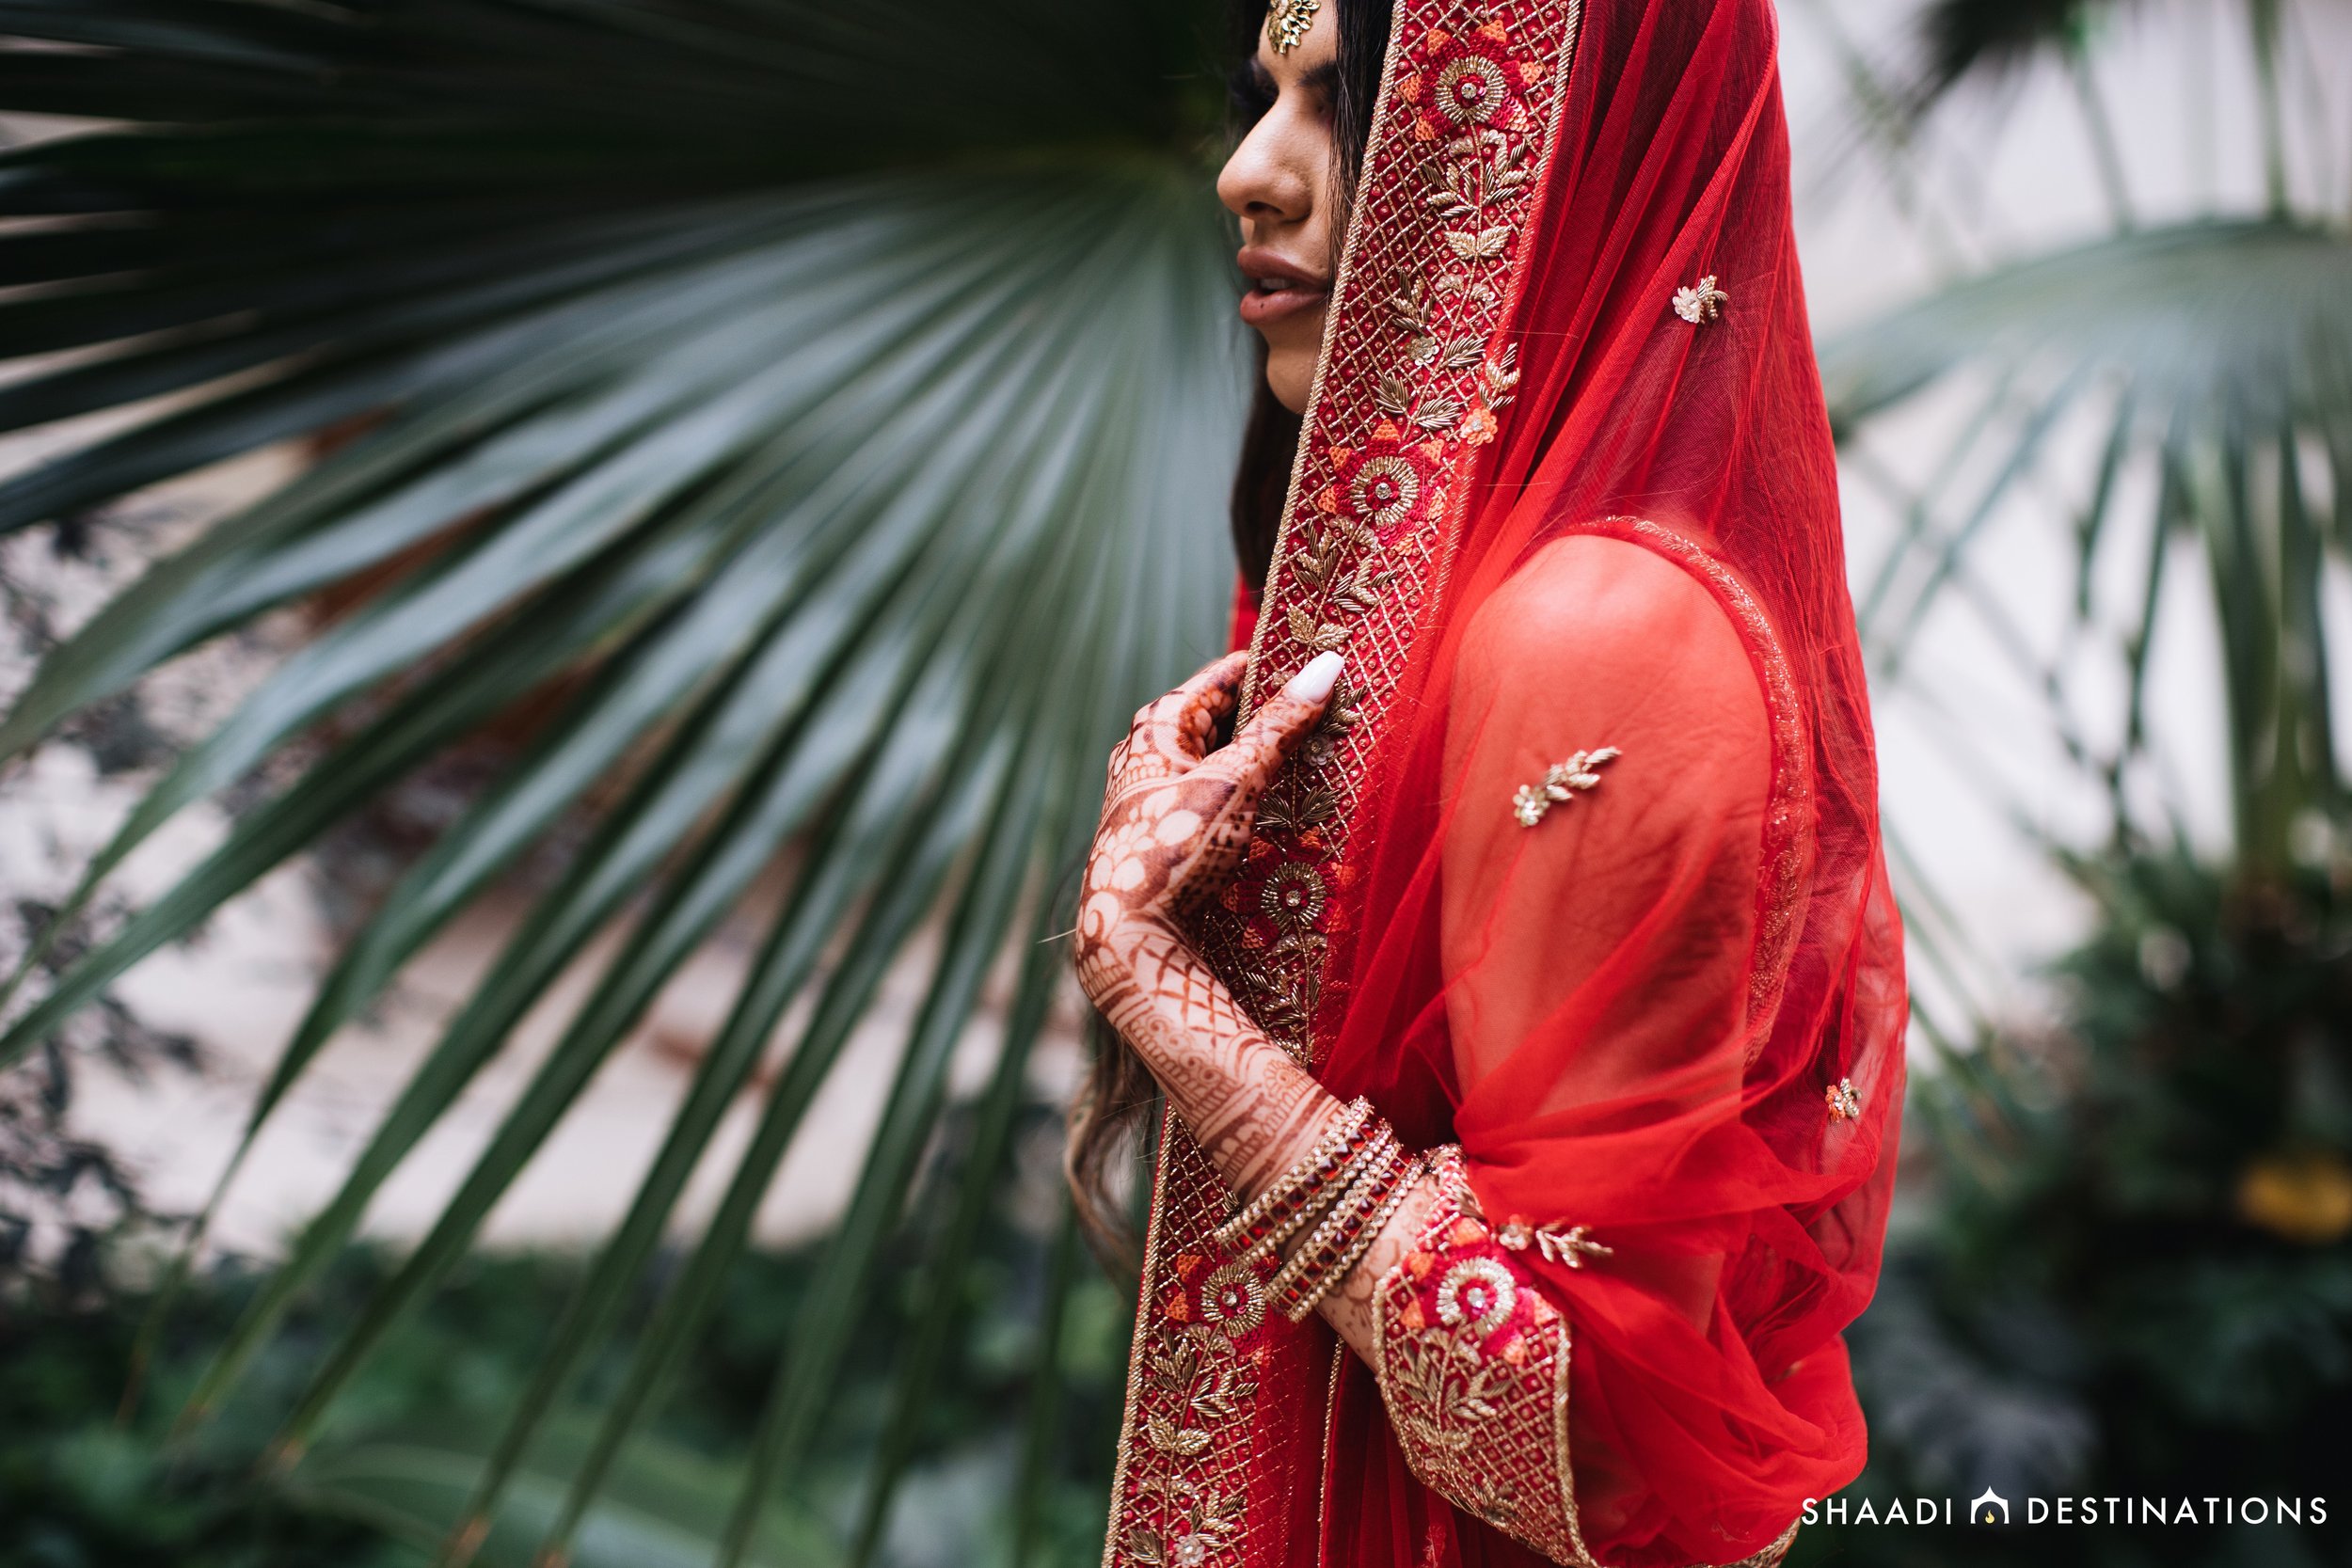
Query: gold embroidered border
x=1414, y=367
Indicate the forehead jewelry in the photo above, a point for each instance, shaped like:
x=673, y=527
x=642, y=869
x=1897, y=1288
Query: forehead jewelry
x=1559, y=781
x=1702, y=302
x=1287, y=21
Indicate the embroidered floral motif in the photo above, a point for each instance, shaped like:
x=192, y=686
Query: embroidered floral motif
x=1560, y=783
x=1472, y=1365
x=1233, y=1299
x=1477, y=1294
x=1701, y=303
x=1293, y=896
x=1472, y=1362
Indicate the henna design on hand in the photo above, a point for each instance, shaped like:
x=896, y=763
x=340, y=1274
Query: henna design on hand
x=1177, y=815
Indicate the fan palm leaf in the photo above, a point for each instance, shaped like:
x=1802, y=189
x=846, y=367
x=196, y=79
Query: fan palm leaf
x=2222, y=354
x=829, y=403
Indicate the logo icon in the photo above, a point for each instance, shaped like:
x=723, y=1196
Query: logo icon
x=1988, y=1508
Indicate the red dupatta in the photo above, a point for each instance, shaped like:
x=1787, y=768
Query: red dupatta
x=1567, y=371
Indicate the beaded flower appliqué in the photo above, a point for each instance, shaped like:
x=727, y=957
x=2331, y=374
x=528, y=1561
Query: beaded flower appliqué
x=1560, y=782
x=1702, y=302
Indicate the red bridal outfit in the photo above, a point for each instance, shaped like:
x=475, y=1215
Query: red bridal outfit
x=1581, y=881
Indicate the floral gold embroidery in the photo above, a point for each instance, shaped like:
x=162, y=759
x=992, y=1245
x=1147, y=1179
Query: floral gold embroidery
x=1570, y=1246
x=1384, y=490
x=1479, y=1293
x=1701, y=303
x=1472, y=1362
x=1293, y=896
x=1233, y=1299
x=1560, y=783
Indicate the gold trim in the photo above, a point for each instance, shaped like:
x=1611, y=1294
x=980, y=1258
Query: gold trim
x=1159, y=1490
x=1340, y=1353
x=1137, y=1341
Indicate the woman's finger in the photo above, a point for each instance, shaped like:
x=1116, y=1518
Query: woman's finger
x=1177, y=728
x=1276, y=730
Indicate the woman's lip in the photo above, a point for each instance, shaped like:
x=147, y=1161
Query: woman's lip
x=1299, y=291
x=1261, y=308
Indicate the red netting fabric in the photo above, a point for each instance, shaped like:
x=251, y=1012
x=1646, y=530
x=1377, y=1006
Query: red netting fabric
x=1697, y=1057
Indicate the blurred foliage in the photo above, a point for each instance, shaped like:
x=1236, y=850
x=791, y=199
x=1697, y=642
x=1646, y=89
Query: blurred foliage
x=2214, y=357
x=791, y=424
x=1966, y=37
x=2123, y=1265
x=780, y=435
x=400, y=1459
x=2131, y=1275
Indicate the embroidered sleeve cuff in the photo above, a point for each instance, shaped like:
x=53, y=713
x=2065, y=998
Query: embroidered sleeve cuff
x=1473, y=1366
x=1472, y=1360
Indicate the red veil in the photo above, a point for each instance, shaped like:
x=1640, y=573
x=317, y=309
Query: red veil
x=1567, y=483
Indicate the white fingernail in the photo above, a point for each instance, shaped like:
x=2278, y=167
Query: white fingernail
x=1315, y=683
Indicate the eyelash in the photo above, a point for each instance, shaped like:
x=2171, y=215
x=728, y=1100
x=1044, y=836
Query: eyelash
x=1249, y=98
x=1251, y=102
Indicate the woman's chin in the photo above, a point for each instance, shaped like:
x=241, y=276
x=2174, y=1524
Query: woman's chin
x=1290, y=375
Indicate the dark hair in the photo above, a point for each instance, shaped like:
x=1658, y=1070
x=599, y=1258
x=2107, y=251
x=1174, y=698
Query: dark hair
x=1110, y=1106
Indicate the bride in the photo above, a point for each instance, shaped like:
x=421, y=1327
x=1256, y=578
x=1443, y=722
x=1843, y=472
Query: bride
x=1506, y=925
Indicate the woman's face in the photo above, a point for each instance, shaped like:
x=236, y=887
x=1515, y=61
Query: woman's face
x=1279, y=183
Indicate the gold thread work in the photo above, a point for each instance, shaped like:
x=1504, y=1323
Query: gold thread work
x=1702, y=302
x=1562, y=782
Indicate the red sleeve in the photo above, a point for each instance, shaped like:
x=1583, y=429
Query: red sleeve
x=1597, y=994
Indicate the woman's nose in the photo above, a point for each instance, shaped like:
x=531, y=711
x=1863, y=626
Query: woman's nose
x=1261, y=181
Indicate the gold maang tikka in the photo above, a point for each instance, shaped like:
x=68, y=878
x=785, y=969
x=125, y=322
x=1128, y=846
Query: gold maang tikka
x=1287, y=21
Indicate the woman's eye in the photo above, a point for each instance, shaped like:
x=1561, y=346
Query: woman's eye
x=1250, y=95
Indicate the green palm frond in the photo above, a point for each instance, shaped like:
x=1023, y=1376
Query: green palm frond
x=832, y=402
x=2218, y=355
x=1964, y=38
x=666, y=1508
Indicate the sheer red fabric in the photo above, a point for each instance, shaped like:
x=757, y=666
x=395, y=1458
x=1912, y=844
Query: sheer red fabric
x=1671, y=1010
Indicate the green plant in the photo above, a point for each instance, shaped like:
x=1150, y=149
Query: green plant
x=402, y=1455
x=823, y=407
x=2126, y=1264
x=2131, y=1275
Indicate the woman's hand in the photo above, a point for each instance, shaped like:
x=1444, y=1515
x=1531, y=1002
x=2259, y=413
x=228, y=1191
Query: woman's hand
x=1175, y=826
x=1177, y=815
